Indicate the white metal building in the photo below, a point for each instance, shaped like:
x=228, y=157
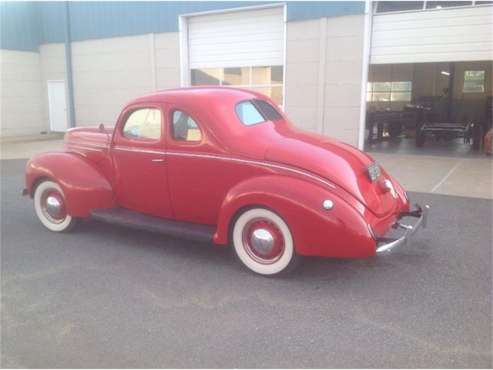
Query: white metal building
x=325, y=63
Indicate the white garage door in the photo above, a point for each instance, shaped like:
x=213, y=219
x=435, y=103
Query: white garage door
x=237, y=39
x=239, y=48
x=438, y=35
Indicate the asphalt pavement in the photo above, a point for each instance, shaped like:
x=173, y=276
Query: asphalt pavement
x=106, y=296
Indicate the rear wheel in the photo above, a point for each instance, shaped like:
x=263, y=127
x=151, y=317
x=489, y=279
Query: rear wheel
x=263, y=243
x=50, y=207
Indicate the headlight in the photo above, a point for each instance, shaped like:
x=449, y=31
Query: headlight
x=373, y=171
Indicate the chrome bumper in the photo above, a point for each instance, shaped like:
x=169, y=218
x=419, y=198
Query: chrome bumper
x=421, y=213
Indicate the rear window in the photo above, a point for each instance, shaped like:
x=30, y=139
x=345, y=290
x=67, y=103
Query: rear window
x=268, y=111
x=256, y=111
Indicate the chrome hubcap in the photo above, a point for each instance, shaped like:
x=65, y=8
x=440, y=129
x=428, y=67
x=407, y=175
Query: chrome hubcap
x=53, y=206
x=263, y=241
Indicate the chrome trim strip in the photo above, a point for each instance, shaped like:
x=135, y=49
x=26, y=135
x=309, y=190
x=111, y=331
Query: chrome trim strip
x=137, y=150
x=255, y=163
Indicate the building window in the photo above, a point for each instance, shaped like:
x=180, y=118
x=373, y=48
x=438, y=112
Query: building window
x=473, y=82
x=395, y=91
x=399, y=6
x=267, y=80
x=446, y=4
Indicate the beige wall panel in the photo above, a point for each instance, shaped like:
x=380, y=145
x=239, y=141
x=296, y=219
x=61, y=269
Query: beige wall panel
x=304, y=30
x=20, y=93
x=352, y=25
x=302, y=78
x=343, y=76
x=323, y=75
x=52, y=64
x=304, y=117
x=107, y=74
x=340, y=123
x=342, y=95
x=344, y=72
x=303, y=73
x=306, y=51
x=167, y=56
x=302, y=95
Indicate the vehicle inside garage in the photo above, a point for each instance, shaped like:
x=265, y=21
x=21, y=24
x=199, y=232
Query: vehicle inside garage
x=430, y=75
x=442, y=108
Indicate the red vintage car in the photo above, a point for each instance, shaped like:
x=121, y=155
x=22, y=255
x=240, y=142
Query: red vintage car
x=223, y=165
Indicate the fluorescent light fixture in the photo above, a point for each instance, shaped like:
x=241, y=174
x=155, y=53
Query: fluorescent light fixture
x=438, y=7
x=445, y=73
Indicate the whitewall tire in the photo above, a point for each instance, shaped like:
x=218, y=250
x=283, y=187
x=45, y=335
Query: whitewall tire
x=49, y=205
x=263, y=242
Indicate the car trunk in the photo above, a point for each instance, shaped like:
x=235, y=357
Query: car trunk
x=340, y=163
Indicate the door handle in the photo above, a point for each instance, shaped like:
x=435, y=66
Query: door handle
x=157, y=160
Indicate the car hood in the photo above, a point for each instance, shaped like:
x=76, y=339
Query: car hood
x=338, y=162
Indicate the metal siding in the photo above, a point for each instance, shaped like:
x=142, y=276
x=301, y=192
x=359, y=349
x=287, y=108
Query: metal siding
x=303, y=10
x=25, y=25
x=93, y=20
x=52, y=21
x=19, y=26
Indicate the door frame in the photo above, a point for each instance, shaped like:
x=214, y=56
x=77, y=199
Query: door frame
x=50, y=113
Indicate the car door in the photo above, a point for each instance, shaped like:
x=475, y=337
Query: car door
x=140, y=161
x=195, y=187
x=200, y=175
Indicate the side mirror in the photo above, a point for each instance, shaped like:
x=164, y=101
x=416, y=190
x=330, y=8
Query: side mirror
x=101, y=127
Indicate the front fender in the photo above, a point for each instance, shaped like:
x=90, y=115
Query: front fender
x=85, y=188
x=340, y=232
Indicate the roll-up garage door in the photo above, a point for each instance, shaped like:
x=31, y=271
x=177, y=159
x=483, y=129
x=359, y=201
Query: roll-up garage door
x=237, y=39
x=441, y=35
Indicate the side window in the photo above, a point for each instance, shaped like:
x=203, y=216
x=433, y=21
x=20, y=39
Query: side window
x=248, y=113
x=143, y=124
x=185, y=128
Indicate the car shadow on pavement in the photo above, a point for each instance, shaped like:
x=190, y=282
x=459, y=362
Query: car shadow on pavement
x=220, y=257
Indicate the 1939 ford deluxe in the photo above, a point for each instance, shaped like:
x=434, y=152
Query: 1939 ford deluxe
x=223, y=165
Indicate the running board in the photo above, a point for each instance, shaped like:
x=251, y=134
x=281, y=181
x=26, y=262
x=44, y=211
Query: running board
x=136, y=220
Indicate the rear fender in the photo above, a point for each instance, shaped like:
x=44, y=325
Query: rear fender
x=340, y=232
x=85, y=188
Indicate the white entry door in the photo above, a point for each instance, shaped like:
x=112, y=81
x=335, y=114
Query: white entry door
x=57, y=103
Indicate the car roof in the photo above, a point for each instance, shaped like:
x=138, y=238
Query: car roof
x=199, y=94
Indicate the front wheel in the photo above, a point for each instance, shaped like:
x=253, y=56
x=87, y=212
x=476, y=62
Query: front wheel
x=49, y=204
x=263, y=243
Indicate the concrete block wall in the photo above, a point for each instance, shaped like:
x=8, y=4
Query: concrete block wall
x=20, y=93
x=106, y=74
x=324, y=63
x=110, y=72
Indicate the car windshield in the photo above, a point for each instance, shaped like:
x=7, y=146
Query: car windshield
x=251, y=112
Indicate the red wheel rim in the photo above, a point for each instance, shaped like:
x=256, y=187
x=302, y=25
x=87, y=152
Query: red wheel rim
x=53, y=206
x=263, y=241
